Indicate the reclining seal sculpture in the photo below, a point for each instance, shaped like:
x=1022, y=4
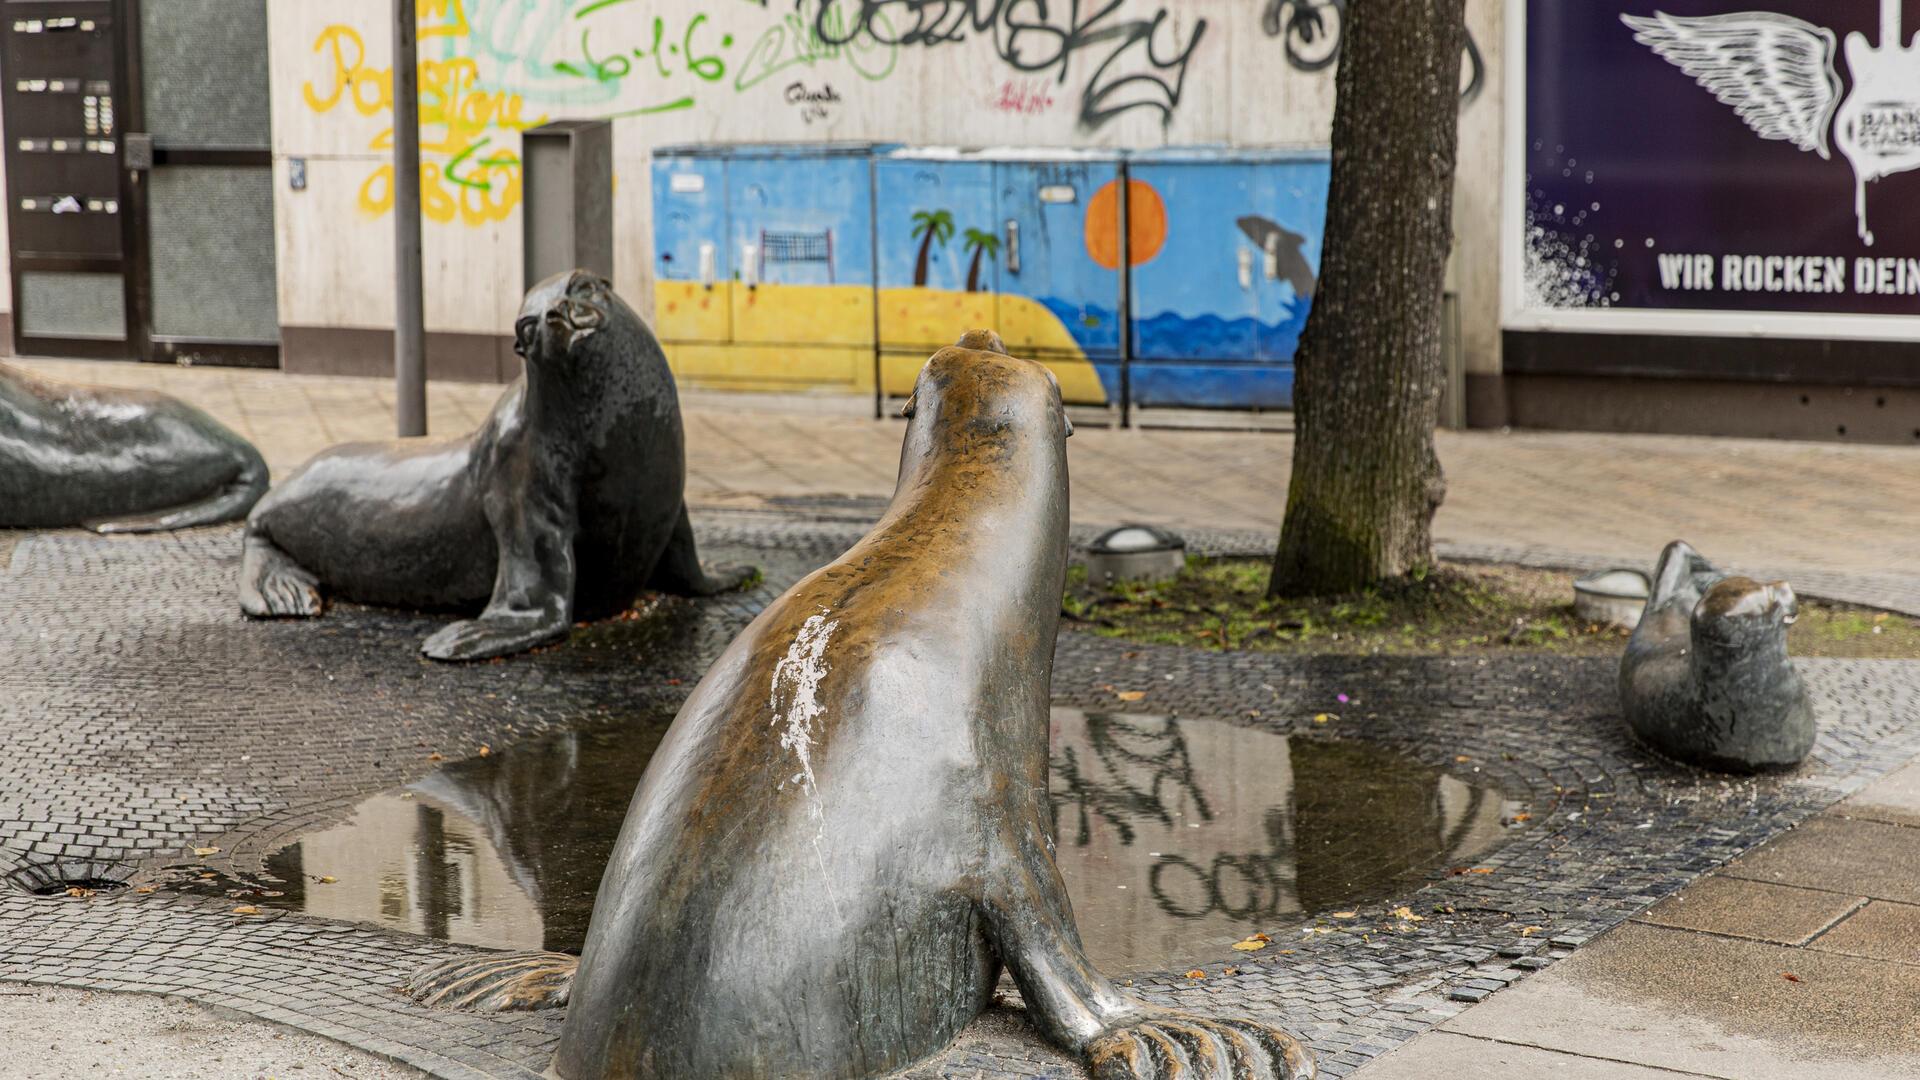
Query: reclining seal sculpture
x=117, y=460
x=565, y=504
x=845, y=833
x=1706, y=678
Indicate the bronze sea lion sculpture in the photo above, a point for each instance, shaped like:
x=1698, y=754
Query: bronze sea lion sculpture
x=564, y=505
x=845, y=834
x=117, y=460
x=1706, y=678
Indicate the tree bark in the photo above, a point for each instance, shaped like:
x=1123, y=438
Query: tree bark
x=1366, y=480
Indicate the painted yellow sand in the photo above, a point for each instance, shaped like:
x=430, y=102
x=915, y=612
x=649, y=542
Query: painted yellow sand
x=773, y=368
x=789, y=337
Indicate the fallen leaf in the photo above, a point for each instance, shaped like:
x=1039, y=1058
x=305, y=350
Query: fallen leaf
x=328, y=879
x=1345, y=914
x=436, y=756
x=206, y=851
x=1789, y=976
x=1131, y=695
x=1406, y=913
x=143, y=889
x=485, y=750
x=1250, y=945
x=1287, y=952
x=1461, y=757
x=1529, y=931
x=76, y=890
x=1321, y=718
x=1229, y=971
x=1480, y=870
x=246, y=909
x=1196, y=973
x=1518, y=818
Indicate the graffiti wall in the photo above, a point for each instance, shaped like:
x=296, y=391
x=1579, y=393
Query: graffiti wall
x=1132, y=75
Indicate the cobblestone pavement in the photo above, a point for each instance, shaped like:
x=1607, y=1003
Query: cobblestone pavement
x=1807, y=511
x=148, y=727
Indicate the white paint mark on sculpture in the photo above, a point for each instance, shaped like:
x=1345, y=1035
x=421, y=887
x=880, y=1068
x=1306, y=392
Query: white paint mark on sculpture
x=798, y=676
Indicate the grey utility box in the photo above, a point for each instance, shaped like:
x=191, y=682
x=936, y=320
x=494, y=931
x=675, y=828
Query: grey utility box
x=567, y=212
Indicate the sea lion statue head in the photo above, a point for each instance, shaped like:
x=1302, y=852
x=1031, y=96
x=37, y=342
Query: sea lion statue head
x=972, y=392
x=1744, y=617
x=562, y=313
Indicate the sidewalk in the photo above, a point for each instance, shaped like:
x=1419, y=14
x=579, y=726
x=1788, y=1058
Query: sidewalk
x=1801, y=958
x=1797, y=509
x=1694, y=986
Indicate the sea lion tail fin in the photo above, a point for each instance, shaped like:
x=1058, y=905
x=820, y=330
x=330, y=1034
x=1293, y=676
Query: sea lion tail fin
x=496, y=982
x=230, y=503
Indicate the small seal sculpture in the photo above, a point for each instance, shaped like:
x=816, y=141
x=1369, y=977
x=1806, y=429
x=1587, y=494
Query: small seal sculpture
x=565, y=504
x=845, y=834
x=1706, y=678
x=117, y=460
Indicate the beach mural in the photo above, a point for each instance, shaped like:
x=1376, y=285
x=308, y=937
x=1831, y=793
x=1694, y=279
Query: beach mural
x=783, y=267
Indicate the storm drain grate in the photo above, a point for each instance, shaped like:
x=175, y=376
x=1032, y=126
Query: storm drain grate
x=74, y=877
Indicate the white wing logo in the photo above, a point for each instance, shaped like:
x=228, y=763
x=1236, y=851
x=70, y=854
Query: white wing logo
x=1777, y=72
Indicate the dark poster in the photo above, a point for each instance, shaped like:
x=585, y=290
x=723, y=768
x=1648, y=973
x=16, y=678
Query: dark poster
x=1741, y=155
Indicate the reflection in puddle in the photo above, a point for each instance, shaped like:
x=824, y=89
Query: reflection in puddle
x=1176, y=837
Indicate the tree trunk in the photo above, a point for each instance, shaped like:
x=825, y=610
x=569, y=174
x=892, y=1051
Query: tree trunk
x=973, y=270
x=1366, y=480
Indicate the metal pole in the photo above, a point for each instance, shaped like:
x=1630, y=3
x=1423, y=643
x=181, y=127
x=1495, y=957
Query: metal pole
x=1125, y=234
x=409, y=327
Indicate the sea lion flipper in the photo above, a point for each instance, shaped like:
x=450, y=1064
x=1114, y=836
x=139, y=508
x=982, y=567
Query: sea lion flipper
x=1079, y=1009
x=532, y=587
x=1681, y=570
x=496, y=982
x=679, y=570
x=230, y=503
x=272, y=585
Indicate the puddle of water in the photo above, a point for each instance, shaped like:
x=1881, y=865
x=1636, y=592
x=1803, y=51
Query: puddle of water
x=1176, y=837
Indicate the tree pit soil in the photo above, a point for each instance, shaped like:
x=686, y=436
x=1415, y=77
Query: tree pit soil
x=1451, y=609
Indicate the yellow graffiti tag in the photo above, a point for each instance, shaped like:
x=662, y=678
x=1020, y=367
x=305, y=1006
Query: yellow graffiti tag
x=471, y=184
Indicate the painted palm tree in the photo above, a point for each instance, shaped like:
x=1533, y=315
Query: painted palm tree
x=981, y=244
x=929, y=226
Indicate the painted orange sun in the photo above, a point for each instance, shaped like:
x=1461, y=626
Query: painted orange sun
x=1146, y=231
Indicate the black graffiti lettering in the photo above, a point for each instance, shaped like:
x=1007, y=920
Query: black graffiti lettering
x=1033, y=37
x=1142, y=773
x=1311, y=32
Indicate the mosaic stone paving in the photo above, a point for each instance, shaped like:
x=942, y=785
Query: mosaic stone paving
x=145, y=720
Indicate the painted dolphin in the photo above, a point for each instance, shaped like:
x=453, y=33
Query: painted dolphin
x=1284, y=245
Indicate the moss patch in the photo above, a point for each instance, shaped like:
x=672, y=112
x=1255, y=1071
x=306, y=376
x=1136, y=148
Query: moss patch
x=1454, y=608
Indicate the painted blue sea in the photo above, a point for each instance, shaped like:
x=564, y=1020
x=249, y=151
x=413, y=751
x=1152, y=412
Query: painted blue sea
x=1200, y=361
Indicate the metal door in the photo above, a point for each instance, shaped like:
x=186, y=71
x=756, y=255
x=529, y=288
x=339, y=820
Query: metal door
x=207, y=210
x=691, y=269
x=939, y=245
x=1060, y=295
x=67, y=104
